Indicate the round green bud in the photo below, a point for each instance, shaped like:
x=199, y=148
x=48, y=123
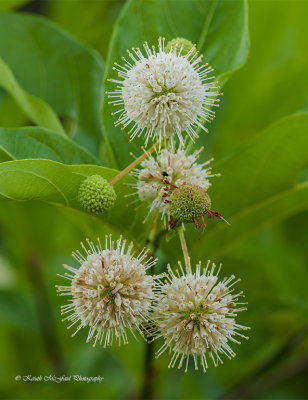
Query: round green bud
x=188, y=201
x=179, y=42
x=96, y=195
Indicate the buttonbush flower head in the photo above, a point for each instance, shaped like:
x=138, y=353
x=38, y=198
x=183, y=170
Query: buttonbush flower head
x=96, y=195
x=163, y=93
x=111, y=292
x=187, y=203
x=195, y=315
x=178, y=168
x=179, y=45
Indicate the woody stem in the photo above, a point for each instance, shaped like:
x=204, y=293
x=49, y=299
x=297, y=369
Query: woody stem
x=184, y=248
x=132, y=165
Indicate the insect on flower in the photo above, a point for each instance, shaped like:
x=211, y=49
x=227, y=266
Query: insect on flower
x=187, y=203
x=178, y=167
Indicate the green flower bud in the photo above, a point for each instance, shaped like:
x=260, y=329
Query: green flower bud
x=179, y=42
x=188, y=202
x=96, y=195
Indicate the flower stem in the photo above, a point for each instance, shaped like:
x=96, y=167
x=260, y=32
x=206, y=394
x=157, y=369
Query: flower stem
x=147, y=388
x=184, y=248
x=150, y=240
x=132, y=165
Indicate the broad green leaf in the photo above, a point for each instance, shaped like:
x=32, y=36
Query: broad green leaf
x=270, y=164
x=218, y=27
x=57, y=183
x=36, y=109
x=277, y=64
x=36, y=142
x=259, y=216
x=258, y=187
x=50, y=64
x=92, y=25
x=10, y=114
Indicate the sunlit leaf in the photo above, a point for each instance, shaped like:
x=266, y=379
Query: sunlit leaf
x=57, y=183
x=36, y=142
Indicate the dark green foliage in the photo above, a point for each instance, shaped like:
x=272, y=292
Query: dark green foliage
x=51, y=80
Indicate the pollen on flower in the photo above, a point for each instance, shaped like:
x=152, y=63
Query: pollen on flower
x=178, y=168
x=195, y=315
x=96, y=194
x=163, y=93
x=111, y=292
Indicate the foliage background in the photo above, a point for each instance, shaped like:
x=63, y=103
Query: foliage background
x=263, y=175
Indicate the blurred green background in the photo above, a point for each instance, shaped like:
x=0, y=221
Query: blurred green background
x=36, y=239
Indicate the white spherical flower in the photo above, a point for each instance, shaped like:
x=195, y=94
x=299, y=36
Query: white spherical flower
x=178, y=168
x=195, y=316
x=111, y=292
x=163, y=94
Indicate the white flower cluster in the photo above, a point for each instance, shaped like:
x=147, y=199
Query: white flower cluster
x=195, y=316
x=178, y=168
x=163, y=93
x=111, y=292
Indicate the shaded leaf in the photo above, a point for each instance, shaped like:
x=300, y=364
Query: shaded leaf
x=59, y=70
x=7, y=5
x=256, y=96
x=36, y=109
x=258, y=187
x=92, y=25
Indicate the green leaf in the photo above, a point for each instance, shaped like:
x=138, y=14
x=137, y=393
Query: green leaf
x=36, y=142
x=57, y=183
x=277, y=64
x=258, y=187
x=263, y=168
x=36, y=109
x=92, y=25
x=50, y=64
x=219, y=27
x=221, y=239
x=7, y=5
x=10, y=114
